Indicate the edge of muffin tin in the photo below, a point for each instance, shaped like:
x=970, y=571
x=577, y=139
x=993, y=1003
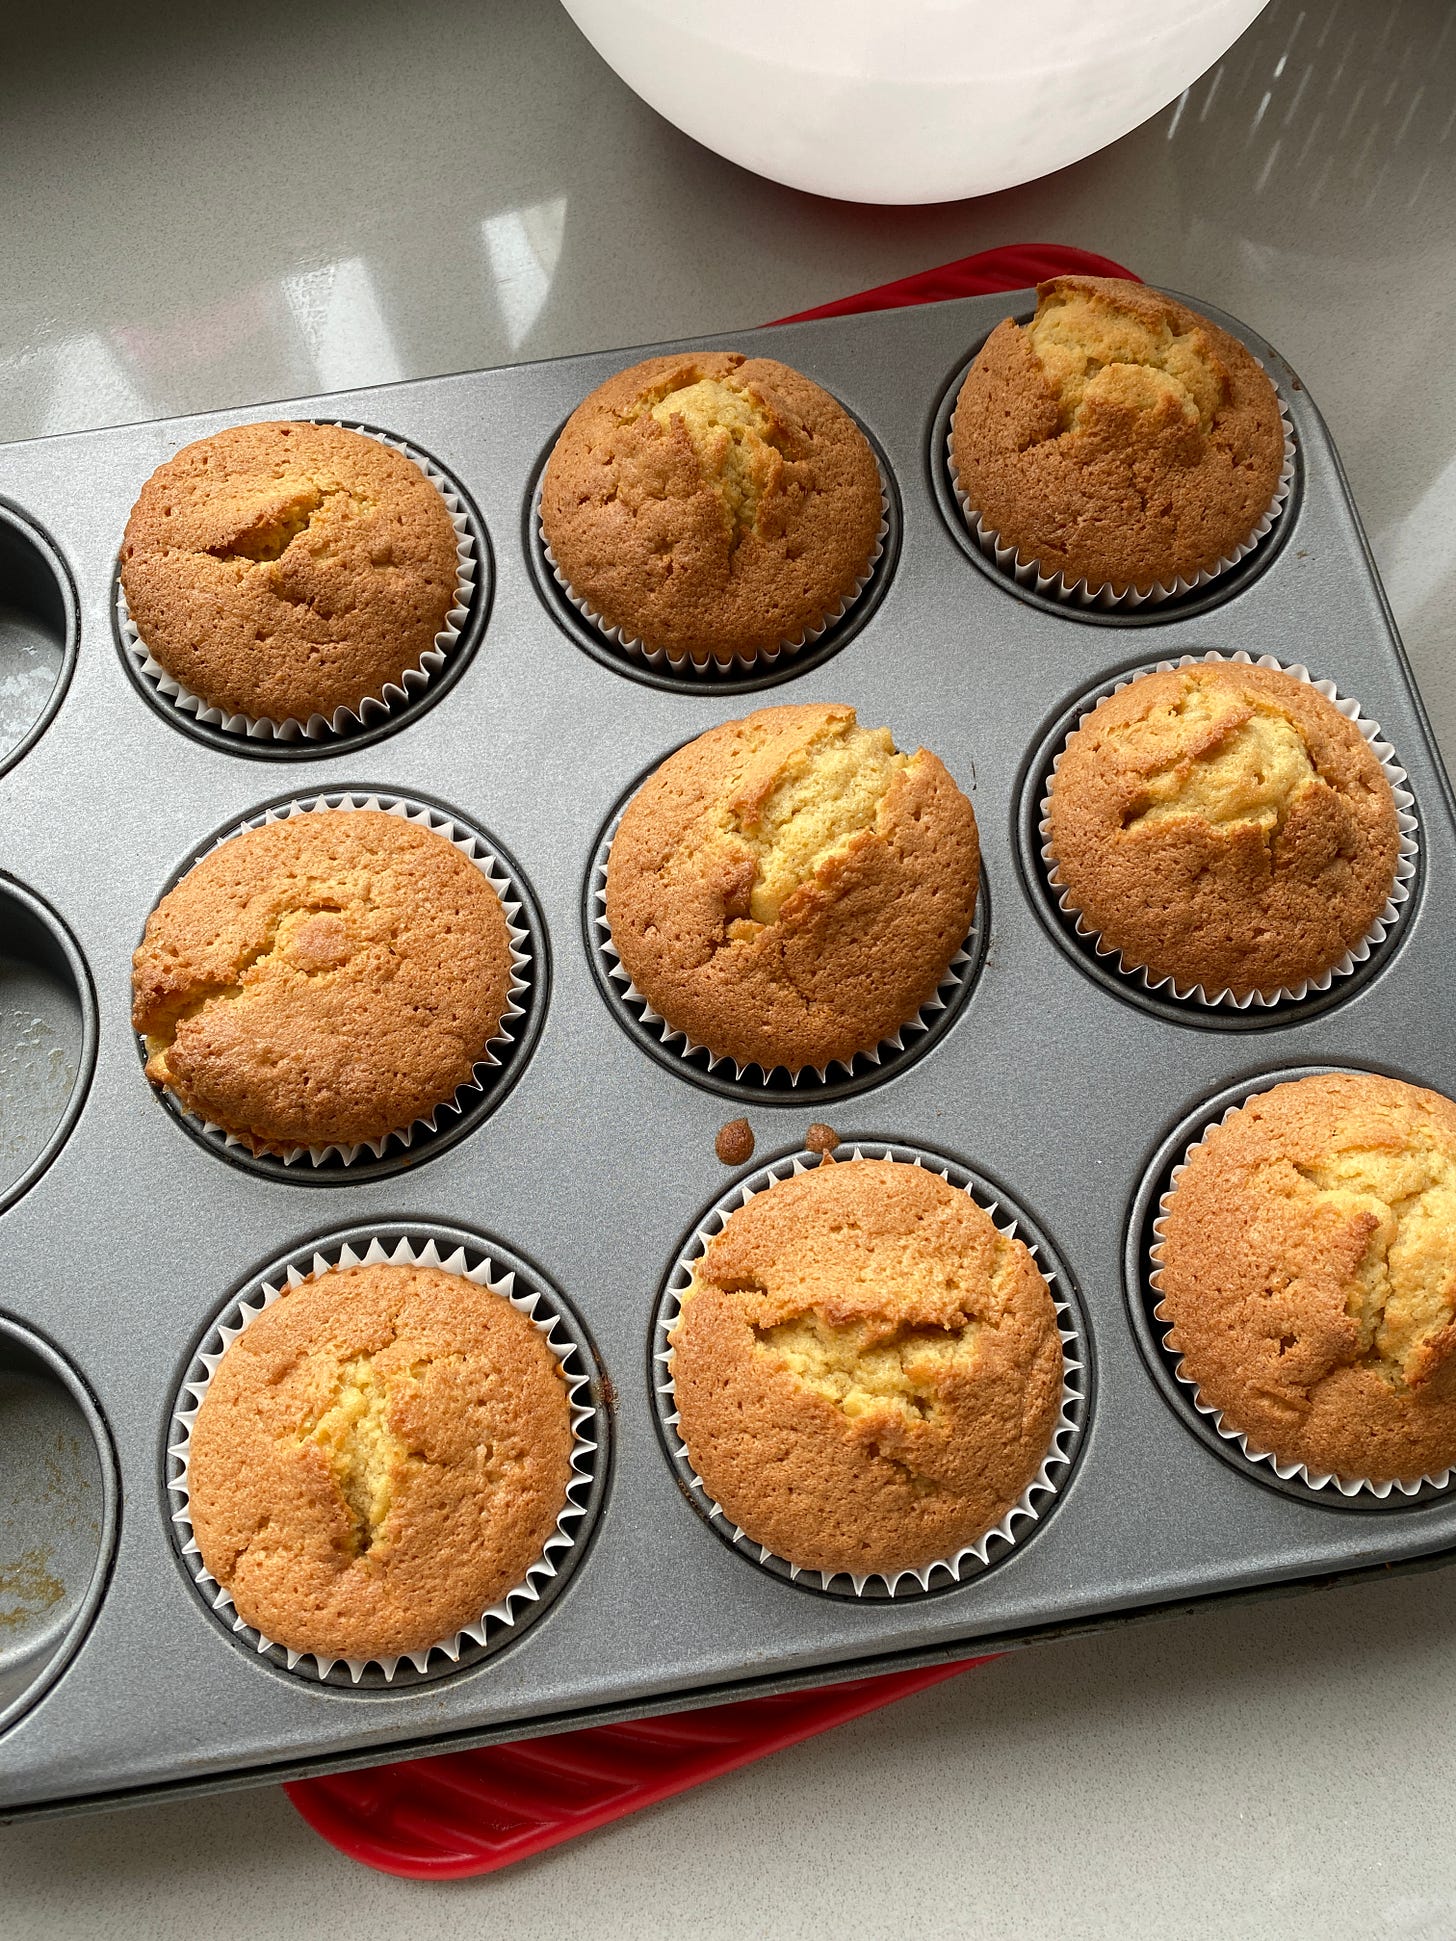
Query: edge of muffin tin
x=1029, y=791
x=333, y=744
x=460, y=1118
x=747, y=680
x=697, y=1064
x=1185, y=606
x=1078, y=1379
x=370, y=1681
x=1151, y=1333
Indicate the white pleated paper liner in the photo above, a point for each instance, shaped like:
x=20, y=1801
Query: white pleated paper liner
x=488, y=1266
x=1198, y=994
x=1027, y=573
x=865, y=1067
x=1020, y=1521
x=711, y=666
x=471, y=568
x=1358, y=1492
x=403, y=1139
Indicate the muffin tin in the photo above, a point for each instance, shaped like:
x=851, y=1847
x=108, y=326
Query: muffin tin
x=126, y=1238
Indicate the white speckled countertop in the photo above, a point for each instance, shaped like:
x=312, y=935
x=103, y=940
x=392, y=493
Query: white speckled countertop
x=203, y=209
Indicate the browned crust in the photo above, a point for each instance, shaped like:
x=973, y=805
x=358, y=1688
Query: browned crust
x=1131, y=499
x=479, y=1405
x=855, y=951
x=332, y=977
x=1224, y=905
x=642, y=537
x=887, y=1246
x=1256, y=1273
x=356, y=596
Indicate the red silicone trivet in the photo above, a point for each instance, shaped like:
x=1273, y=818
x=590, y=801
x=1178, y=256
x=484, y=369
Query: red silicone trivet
x=470, y=1812
x=1017, y=266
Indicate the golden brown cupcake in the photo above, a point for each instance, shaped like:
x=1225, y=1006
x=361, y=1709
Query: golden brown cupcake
x=711, y=505
x=1118, y=438
x=789, y=890
x=1223, y=825
x=1308, y=1265
x=325, y=979
x=867, y=1375
x=381, y=1455
x=287, y=570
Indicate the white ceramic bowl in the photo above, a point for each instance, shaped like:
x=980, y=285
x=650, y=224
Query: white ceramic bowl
x=908, y=100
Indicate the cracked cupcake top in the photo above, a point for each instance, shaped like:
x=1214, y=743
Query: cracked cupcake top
x=789, y=889
x=380, y=1456
x=1309, y=1270
x=287, y=570
x=325, y=979
x=867, y=1374
x=1224, y=825
x=711, y=504
x=1118, y=438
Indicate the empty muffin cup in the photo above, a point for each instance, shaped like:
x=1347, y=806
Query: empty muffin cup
x=59, y=1506
x=48, y=1037
x=38, y=629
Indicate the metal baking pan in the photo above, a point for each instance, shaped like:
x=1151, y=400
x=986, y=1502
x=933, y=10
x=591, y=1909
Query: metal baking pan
x=125, y=1236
